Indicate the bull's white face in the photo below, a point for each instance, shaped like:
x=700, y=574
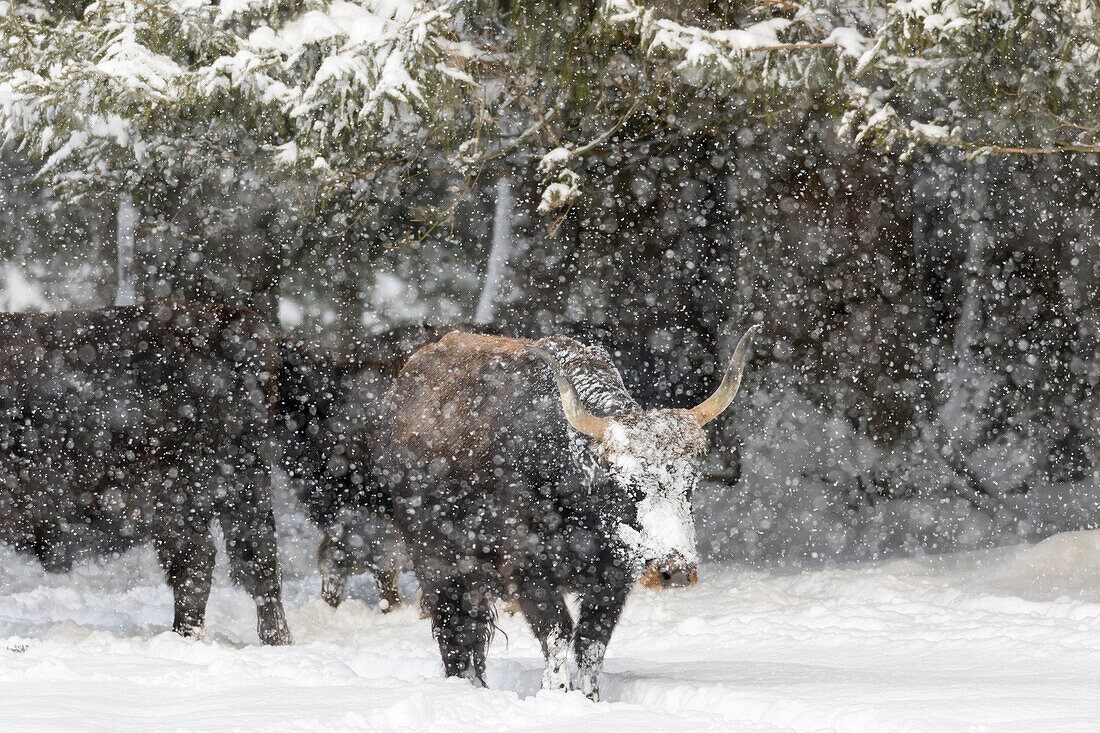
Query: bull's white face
x=652, y=457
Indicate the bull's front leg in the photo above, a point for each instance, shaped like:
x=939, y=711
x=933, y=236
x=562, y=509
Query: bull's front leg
x=599, y=612
x=543, y=606
x=186, y=554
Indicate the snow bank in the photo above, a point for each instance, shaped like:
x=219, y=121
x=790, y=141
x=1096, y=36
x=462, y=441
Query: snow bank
x=1063, y=568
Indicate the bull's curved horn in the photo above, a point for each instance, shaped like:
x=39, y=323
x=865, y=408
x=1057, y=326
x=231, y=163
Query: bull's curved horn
x=581, y=419
x=712, y=406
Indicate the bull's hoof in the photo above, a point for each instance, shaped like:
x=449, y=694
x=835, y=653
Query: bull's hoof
x=476, y=679
x=190, y=631
x=589, y=687
x=271, y=625
x=278, y=637
x=332, y=589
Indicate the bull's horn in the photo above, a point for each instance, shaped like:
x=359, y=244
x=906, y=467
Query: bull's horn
x=712, y=406
x=581, y=419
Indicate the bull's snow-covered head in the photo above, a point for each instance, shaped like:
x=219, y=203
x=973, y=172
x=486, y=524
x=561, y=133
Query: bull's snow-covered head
x=652, y=459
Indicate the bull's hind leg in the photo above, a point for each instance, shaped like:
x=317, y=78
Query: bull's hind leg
x=248, y=524
x=332, y=560
x=359, y=541
x=462, y=625
x=386, y=578
x=254, y=563
x=337, y=563
x=544, y=608
x=187, y=556
x=52, y=550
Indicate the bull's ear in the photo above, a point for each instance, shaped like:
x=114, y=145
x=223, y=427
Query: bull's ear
x=713, y=406
x=581, y=419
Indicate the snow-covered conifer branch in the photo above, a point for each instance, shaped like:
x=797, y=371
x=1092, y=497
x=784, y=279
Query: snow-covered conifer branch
x=180, y=89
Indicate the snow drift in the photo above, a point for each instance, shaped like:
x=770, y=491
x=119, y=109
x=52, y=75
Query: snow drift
x=996, y=640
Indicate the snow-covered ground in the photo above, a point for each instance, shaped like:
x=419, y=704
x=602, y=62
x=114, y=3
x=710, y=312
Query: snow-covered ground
x=993, y=641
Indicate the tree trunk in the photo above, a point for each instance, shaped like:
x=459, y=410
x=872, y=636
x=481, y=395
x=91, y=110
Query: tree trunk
x=962, y=373
x=499, y=254
x=127, y=224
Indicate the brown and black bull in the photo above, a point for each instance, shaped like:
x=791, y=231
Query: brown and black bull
x=138, y=424
x=508, y=478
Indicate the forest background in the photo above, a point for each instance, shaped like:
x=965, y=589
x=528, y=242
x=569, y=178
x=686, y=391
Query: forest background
x=905, y=194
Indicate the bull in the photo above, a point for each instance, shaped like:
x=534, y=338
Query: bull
x=143, y=424
x=525, y=469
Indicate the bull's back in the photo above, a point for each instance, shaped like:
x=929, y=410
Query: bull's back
x=463, y=399
x=129, y=368
x=472, y=434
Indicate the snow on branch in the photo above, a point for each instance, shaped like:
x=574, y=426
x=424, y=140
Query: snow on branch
x=982, y=77
x=130, y=86
x=698, y=47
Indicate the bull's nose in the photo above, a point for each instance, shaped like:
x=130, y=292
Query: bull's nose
x=671, y=573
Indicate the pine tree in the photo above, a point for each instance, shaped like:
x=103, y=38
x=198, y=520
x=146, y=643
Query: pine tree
x=218, y=120
x=310, y=119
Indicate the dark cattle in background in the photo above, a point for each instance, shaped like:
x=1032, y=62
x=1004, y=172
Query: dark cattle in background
x=143, y=424
x=503, y=485
x=328, y=409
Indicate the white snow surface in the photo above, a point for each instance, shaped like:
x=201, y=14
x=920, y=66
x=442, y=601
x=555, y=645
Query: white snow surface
x=998, y=640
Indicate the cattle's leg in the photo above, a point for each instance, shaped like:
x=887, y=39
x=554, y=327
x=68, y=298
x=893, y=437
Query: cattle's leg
x=544, y=608
x=333, y=563
x=461, y=623
x=249, y=528
x=187, y=556
x=387, y=588
x=599, y=612
x=52, y=550
x=382, y=555
x=338, y=562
